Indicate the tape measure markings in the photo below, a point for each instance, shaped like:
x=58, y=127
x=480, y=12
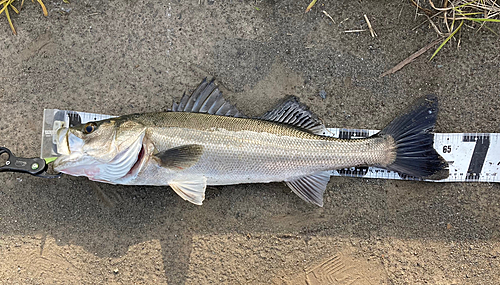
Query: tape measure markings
x=478, y=157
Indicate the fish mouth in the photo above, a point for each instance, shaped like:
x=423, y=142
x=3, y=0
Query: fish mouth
x=67, y=155
x=62, y=142
x=122, y=169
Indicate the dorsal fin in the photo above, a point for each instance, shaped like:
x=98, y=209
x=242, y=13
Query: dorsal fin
x=207, y=98
x=292, y=112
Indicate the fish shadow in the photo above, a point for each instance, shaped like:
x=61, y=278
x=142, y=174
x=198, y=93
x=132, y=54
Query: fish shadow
x=69, y=210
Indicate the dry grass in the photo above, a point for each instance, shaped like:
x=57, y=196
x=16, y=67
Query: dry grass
x=448, y=16
x=311, y=5
x=9, y=4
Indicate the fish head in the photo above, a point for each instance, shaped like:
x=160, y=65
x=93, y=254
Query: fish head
x=108, y=151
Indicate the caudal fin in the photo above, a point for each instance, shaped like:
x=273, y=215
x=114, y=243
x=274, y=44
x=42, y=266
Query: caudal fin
x=413, y=135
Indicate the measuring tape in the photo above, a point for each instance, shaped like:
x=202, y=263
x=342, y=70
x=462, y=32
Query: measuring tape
x=472, y=157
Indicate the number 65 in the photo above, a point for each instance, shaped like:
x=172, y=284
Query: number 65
x=446, y=148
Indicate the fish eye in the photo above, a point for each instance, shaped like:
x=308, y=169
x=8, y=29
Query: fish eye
x=89, y=128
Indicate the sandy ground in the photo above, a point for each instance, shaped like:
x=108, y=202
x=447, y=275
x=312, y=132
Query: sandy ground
x=119, y=57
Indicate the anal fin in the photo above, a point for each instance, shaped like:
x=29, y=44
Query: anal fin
x=191, y=189
x=311, y=188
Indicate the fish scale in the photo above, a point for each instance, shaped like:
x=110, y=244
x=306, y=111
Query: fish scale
x=204, y=140
x=233, y=157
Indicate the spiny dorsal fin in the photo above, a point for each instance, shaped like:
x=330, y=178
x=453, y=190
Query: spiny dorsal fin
x=181, y=157
x=191, y=189
x=311, y=188
x=292, y=112
x=207, y=98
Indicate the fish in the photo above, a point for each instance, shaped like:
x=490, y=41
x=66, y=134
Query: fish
x=205, y=140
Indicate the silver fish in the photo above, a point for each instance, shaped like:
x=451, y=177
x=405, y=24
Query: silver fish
x=204, y=140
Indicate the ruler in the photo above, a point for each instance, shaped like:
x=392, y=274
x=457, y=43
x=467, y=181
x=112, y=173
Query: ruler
x=472, y=157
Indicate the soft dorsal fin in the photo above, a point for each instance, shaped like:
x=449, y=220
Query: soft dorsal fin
x=181, y=157
x=207, y=98
x=292, y=112
x=191, y=189
x=311, y=188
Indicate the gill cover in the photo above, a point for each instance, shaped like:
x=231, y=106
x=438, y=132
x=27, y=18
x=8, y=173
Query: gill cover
x=121, y=164
x=101, y=151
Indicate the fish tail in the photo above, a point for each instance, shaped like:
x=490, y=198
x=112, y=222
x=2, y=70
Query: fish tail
x=413, y=136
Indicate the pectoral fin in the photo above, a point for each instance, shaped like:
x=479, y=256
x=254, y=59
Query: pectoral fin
x=311, y=188
x=192, y=189
x=180, y=157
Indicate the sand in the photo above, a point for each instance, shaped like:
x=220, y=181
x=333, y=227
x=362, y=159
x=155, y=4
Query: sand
x=120, y=57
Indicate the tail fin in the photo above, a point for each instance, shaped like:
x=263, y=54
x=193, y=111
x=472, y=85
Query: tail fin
x=412, y=134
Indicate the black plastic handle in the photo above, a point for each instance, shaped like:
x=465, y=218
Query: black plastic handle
x=34, y=166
